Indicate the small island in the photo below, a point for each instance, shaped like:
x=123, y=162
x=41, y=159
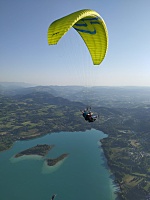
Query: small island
x=40, y=150
x=52, y=162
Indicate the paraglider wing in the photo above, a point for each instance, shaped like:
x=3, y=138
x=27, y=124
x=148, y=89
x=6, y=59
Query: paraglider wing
x=91, y=28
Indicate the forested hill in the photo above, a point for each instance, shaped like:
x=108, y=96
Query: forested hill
x=35, y=114
x=42, y=98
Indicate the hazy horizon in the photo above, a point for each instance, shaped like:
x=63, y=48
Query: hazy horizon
x=25, y=84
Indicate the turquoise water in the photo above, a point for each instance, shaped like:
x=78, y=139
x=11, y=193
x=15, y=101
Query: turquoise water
x=82, y=175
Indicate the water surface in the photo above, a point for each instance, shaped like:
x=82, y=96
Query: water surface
x=82, y=175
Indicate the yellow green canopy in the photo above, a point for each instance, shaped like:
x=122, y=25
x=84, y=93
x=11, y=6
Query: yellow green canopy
x=91, y=28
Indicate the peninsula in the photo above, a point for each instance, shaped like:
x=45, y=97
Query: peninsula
x=40, y=150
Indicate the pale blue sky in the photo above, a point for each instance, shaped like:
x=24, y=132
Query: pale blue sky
x=25, y=55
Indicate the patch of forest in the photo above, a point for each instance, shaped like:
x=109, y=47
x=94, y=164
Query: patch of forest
x=40, y=150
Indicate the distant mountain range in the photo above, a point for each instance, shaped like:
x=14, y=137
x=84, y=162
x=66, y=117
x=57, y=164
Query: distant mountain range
x=90, y=96
x=14, y=85
x=47, y=98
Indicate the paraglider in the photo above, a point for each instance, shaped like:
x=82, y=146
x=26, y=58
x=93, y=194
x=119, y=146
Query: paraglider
x=92, y=29
x=90, y=26
x=88, y=115
x=53, y=196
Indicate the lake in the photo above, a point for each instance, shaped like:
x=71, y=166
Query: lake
x=84, y=174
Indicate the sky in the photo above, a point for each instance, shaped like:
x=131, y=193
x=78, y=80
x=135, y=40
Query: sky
x=25, y=55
